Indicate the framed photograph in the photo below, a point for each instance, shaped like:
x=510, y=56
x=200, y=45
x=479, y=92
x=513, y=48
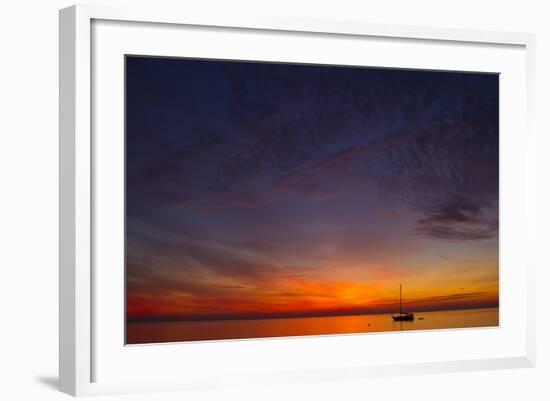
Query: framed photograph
x=278, y=200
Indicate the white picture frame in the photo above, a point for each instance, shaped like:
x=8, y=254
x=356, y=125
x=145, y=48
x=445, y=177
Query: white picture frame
x=77, y=365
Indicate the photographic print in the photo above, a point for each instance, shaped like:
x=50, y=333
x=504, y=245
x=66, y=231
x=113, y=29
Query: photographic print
x=277, y=199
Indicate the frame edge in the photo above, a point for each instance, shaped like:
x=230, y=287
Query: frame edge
x=75, y=346
x=74, y=201
x=67, y=112
x=531, y=186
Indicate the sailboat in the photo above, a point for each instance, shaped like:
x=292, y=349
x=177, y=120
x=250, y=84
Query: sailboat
x=402, y=317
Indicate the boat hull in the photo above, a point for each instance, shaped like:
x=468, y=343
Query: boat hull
x=403, y=318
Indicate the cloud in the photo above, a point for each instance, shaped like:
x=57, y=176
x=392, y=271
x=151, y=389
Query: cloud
x=458, y=218
x=316, y=133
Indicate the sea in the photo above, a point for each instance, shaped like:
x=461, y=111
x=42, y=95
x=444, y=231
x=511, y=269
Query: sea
x=179, y=331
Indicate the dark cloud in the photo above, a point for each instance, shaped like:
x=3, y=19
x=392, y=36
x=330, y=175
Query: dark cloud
x=447, y=298
x=458, y=218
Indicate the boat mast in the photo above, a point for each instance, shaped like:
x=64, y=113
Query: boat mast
x=400, y=301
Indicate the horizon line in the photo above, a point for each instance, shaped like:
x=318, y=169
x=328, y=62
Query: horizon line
x=151, y=319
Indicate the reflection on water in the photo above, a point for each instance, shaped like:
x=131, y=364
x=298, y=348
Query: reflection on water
x=156, y=332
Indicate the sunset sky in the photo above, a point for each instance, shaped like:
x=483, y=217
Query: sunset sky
x=272, y=190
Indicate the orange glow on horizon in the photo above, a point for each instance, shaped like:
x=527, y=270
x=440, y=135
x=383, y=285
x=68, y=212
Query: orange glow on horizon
x=290, y=296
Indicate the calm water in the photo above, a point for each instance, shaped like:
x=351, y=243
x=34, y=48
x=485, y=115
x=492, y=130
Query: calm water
x=156, y=332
